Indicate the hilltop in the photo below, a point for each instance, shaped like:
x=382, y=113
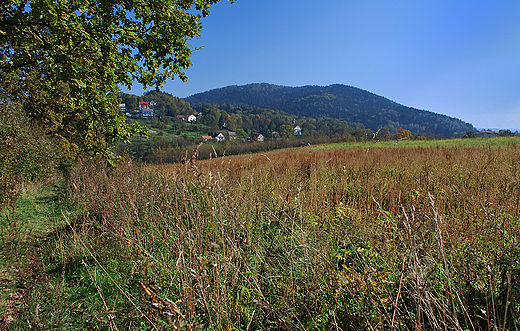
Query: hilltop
x=338, y=101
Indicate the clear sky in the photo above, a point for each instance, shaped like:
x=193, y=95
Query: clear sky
x=455, y=57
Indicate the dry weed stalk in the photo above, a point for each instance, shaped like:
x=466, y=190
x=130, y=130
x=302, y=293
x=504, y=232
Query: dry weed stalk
x=329, y=239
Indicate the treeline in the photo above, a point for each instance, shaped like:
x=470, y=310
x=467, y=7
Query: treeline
x=167, y=104
x=271, y=123
x=172, y=138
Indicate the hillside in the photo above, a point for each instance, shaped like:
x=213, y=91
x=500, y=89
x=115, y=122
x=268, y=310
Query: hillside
x=343, y=102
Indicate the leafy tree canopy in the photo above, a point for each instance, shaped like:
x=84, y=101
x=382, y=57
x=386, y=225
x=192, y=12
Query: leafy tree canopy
x=63, y=60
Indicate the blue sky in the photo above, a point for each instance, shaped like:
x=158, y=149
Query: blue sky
x=454, y=57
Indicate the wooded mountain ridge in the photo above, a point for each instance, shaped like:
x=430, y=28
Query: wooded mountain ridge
x=338, y=101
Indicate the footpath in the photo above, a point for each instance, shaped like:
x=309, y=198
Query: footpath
x=23, y=228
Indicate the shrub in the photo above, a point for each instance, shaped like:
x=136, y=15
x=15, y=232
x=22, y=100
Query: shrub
x=24, y=154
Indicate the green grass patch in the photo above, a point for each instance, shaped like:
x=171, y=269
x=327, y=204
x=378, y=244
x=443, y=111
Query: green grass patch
x=452, y=143
x=35, y=214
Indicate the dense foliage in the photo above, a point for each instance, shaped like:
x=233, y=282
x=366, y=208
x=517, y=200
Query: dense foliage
x=167, y=105
x=171, y=137
x=268, y=121
x=336, y=101
x=24, y=154
x=64, y=60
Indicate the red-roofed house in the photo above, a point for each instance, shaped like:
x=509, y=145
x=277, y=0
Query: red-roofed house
x=143, y=104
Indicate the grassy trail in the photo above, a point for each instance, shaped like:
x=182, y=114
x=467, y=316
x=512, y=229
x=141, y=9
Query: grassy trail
x=23, y=226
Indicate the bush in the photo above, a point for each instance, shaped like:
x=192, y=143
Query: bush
x=24, y=154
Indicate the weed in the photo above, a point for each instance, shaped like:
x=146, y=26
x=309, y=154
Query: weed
x=403, y=237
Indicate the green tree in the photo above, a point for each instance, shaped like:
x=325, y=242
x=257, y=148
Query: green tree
x=130, y=100
x=470, y=134
x=222, y=119
x=286, y=131
x=383, y=134
x=65, y=60
x=241, y=134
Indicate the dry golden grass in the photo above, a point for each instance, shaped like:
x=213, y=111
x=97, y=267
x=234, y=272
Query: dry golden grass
x=404, y=238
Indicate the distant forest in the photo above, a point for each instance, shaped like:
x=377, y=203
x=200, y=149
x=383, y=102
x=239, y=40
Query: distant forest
x=171, y=135
x=245, y=120
x=342, y=102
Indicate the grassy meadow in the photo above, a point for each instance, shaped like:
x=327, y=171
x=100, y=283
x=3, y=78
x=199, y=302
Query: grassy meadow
x=374, y=236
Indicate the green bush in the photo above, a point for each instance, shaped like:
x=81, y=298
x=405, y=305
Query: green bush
x=24, y=154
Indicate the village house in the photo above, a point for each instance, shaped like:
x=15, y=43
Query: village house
x=206, y=138
x=297, y=131
x=143, y=104
x=147, y=112
x=220, y=137
x=192, y=118
x=181, y=117
x=259, y=137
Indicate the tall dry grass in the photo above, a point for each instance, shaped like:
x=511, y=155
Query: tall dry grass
x=346, y=239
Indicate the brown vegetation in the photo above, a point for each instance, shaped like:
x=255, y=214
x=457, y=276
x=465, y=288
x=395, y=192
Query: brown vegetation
x=404, y=238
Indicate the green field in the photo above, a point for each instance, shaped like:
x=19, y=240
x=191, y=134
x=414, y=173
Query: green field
x=415, y=235
x=482, y=142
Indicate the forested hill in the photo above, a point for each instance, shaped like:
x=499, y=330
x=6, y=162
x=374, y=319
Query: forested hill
x=343, y=102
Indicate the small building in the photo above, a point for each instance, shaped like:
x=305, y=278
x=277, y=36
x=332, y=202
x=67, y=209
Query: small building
x=122, y=107
x=220, y=137
x=259, y=137
x=297, y=131
x=192, y=118
x=147, y=112
x=232, y=135
x=181, y=117
x=206, y=138
x=143, y=104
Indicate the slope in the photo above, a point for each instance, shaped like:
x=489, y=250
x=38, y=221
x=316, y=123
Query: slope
x=343, y=102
